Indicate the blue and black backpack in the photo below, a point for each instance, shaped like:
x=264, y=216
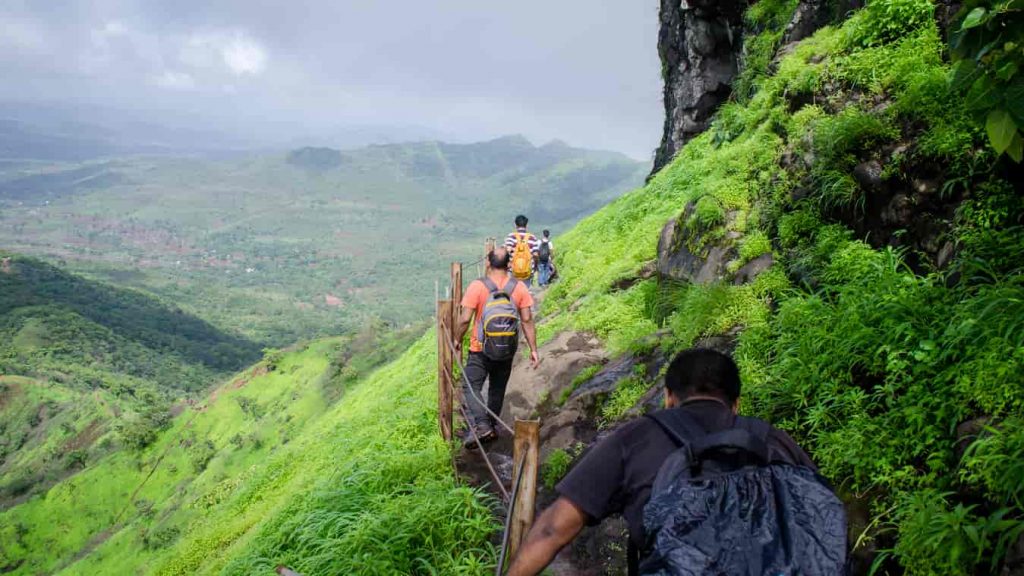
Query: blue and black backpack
x=498, y=329
x=723, y=504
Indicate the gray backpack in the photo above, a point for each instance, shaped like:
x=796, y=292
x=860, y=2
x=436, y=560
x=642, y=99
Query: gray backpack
x=499, y=329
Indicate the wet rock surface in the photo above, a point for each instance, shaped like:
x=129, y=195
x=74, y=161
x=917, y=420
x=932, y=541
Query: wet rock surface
x=682, y=257
x=751, y=270
x=699, y=42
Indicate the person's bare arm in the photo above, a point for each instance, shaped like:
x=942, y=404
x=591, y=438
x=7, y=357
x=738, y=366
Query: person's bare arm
x=465, y=319
x=530, y=330
x=556, y=527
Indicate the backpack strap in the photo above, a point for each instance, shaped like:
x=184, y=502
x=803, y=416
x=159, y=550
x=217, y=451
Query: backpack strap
x=756, y=426
x=510, y=286
x=489, y=284
x=761, y=430
x=680, y=426
x=747, y=434
x=732, y=439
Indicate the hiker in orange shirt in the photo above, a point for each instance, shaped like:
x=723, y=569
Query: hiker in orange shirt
x=500, y=305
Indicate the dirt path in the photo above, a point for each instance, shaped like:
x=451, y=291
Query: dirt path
x=541, y=393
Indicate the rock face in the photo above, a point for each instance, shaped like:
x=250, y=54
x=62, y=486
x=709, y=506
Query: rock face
x=565, y=356
x=701, y=47
x=813, y=14
x=680, y=259
x=700, y=42
x=753, y=269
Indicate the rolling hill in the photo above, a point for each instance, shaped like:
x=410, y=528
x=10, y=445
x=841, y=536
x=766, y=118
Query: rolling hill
x=86, y=368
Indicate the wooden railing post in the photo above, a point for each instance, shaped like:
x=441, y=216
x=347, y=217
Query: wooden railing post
x=453, y=326
x=526, y=447
x=444, y=369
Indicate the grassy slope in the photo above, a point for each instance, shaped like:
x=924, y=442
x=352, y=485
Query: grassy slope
x=870, y=365
x=189, y=230
x=285, y=478
x=48, y=431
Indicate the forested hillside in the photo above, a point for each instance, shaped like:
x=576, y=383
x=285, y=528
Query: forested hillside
x=87, y=368
x=314, y=242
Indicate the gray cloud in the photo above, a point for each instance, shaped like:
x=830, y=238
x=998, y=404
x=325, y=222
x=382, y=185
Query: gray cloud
x=583, y=71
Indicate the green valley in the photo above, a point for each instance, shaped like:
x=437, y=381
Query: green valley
x=288, y=451
x=315, y=242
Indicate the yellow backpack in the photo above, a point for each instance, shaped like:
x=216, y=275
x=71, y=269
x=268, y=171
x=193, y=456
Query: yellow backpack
x=522, y=258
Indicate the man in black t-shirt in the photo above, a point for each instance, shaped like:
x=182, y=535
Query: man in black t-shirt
x=616, y=475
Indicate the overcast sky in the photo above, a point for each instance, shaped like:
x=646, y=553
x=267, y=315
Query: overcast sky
x=584, y=71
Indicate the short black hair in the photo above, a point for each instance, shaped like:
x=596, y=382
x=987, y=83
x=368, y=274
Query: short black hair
x=521, y=221
x=498, y=258
x=703, y=372
x=547, y=233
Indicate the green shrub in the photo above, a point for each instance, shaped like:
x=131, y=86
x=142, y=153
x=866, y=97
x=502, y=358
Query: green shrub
x=708, y=212
x=137, y=431
x=883, y=21
x=753, y=245
x=938, y=537
x=995, y=462
x=713, y=310
x=200, y=455
x=848, y=133
x=621, y=319
x=555, y=467
x=989, y=60
x=158, y=538
x=626, y=394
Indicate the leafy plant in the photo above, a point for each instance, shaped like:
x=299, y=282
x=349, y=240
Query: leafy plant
x=989, y=51
x=883, y=21
x=555, y=467
x=626, y=394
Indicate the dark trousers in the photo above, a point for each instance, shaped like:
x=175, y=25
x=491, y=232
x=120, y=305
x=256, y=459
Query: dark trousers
x=478, y=369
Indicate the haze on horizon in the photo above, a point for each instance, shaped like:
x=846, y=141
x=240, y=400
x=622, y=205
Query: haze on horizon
x=458, y=70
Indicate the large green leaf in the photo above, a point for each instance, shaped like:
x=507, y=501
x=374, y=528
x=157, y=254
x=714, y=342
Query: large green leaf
x=1001, y=129
x=1014, y=100
x=974, y=18
x=1016, y=148
x=983, y=94
x=965, y=73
